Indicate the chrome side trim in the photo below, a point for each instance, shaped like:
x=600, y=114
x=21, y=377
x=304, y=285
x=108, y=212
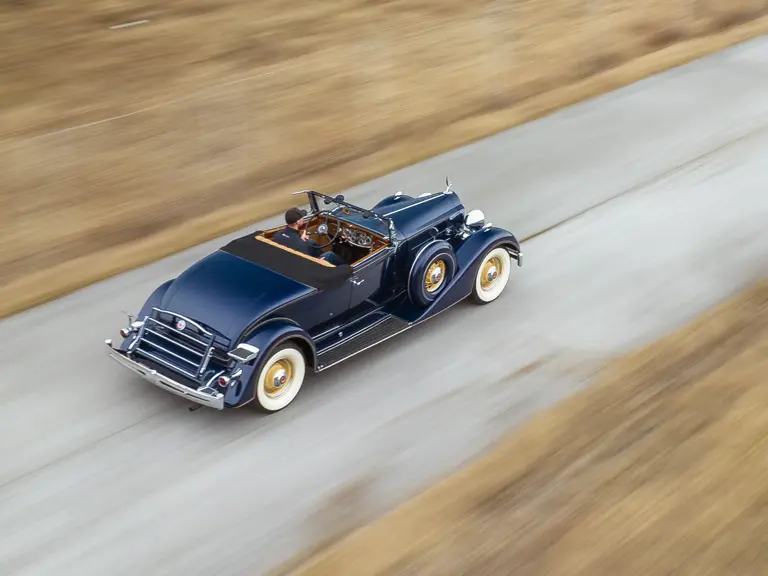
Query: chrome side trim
x=211, y=399
x=392, y=335
x=351, y=336
x=366, y=348
x=419, y=203
x=324, y=333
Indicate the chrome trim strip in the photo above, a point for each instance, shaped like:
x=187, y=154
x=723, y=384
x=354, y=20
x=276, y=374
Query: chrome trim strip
x=366, y=348
x=215, y=400
x=435, y=195
x=325, y=333
x=392, y=336
x=352, y=336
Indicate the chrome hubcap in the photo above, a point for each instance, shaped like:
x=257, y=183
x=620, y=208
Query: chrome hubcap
x=434, y=276
x=279, y=378
x=492, y=270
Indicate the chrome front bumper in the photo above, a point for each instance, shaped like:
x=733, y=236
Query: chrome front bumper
x=516, y=254
x=211, y=399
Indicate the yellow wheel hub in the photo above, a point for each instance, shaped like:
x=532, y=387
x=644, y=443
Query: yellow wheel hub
x=279, y=378
x=435, y=276
x=492, y=271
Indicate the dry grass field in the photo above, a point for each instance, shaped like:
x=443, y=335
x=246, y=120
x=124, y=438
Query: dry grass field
x=118, y=146
x=660, y=468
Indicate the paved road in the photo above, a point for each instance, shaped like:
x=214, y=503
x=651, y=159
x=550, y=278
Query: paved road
x=644, y=207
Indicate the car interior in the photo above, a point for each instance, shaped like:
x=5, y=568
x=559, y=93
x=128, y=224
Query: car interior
x=351, y=243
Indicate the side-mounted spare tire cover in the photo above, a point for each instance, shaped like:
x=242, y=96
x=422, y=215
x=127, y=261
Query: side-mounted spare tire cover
x=431, y=271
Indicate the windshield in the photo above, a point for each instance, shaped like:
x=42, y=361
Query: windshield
x=342, y=209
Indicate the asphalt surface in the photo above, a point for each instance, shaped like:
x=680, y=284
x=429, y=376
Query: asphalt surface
x=644, y=207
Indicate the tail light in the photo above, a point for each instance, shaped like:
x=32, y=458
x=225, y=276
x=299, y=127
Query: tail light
x=134, y=327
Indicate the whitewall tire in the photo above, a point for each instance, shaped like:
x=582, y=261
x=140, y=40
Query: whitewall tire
x=492, y=276
x=280, y=378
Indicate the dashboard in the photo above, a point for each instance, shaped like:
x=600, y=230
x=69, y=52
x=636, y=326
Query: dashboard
x=352, y=242
x=357, y=237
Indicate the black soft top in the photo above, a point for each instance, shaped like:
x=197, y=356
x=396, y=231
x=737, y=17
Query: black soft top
x=288, y=263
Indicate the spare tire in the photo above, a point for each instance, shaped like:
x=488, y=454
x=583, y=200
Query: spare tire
x=432, y=270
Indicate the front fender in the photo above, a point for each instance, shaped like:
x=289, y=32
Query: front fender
x=468, y=255
x=266, y=337
x=481, y=241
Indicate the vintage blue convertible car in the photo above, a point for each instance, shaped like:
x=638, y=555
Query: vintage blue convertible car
x=248, y=322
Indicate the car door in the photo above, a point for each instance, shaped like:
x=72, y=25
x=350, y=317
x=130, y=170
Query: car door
x=369, y=281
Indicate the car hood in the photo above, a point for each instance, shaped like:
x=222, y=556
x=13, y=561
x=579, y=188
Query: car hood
x=227, y=294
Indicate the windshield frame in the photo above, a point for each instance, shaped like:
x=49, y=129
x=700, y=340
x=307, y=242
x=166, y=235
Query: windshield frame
x=341, y=203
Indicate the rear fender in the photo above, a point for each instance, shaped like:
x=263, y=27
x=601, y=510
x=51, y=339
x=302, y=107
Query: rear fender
x=266, y=337
x=154, y=300
x=468, y=256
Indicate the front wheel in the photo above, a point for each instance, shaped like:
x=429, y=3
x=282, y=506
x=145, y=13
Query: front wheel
x=280, y=378
x=492, y=276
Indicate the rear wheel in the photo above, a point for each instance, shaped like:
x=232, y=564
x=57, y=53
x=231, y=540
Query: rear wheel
x=492, y=276
x=280, y=378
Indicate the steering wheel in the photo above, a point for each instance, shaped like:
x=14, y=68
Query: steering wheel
x=322, y=229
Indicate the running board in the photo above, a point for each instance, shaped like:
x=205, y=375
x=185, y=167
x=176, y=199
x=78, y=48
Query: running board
x=367, y=338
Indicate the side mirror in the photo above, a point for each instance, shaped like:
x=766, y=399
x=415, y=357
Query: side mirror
x=475, y=219
x=339, y=197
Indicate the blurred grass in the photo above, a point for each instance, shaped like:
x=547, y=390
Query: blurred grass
x=659, y=468
x=220, y=109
